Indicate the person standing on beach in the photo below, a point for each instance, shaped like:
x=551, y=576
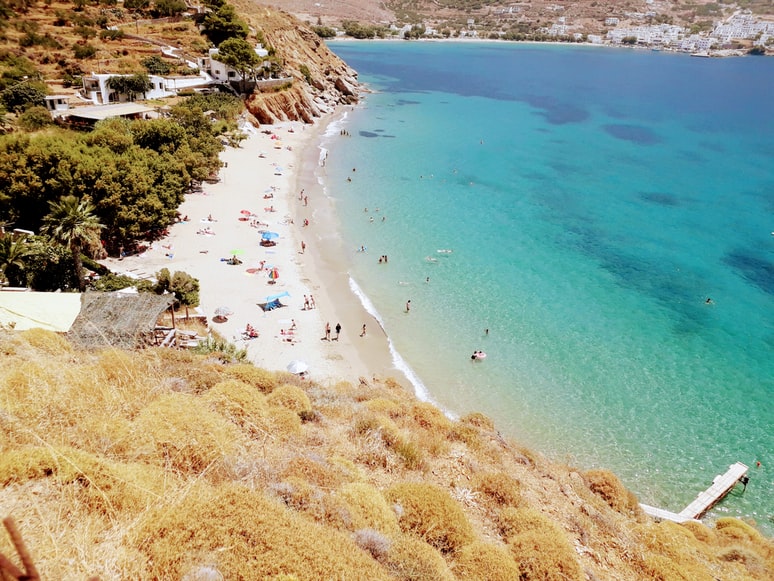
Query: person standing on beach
x=338, y=331
x=312, y=304
x=303, y=247
x=408, y=305
x=363, y=332
x=306, y=303
x=327, y=331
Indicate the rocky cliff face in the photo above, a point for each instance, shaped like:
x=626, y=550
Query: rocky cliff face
x=321, y=80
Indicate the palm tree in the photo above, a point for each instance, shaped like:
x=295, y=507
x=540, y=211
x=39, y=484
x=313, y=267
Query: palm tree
x=72, y=222
x=12, y=253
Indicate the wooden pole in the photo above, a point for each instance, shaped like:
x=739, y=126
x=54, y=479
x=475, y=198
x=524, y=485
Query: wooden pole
x=29, y=567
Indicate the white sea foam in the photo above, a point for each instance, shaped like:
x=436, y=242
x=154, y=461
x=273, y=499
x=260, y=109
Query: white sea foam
x=420, y=389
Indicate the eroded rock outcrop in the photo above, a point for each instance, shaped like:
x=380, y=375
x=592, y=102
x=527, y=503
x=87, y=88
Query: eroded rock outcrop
x=321, y=80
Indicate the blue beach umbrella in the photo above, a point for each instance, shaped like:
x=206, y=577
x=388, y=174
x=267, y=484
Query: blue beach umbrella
x=269, y=236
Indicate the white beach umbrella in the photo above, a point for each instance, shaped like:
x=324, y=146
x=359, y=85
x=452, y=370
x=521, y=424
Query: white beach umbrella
x=297, y=367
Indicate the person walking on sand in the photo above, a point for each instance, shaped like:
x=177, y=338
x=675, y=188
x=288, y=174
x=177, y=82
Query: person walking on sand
x=327, y=331
x=312, y=304
x=408, y=305
x=303, y=247
x=338, y=331
x=306, y=303
x=363, y=332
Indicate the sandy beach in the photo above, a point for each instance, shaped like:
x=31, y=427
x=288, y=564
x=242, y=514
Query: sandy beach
x=260, y=190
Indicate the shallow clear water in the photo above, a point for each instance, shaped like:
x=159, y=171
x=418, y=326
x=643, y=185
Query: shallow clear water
x=593, y=199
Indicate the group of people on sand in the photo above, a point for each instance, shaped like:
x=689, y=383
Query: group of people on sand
x=250, y=332
x=327, y=336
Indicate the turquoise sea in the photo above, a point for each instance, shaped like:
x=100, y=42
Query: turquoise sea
x=592, y=199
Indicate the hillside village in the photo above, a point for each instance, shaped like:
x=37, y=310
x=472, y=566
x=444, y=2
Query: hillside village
x=719, y=29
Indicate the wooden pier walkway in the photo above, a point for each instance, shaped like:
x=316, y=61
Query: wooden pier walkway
x=721, y=486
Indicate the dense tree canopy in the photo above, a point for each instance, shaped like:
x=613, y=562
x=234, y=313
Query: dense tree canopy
x=239, y=55
x=224, y=23
x=72, y=223
x=134, y=172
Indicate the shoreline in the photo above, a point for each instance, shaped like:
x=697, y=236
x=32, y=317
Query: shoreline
x=279, y=161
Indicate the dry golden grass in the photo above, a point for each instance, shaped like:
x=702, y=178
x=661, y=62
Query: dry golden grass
x=412, y=559
x=430, y=513
x=180, y=432
x=241, y=534
x=163, y=464
x=290, y=397
x=546, y=555
x=368, y=508
x=485, y=562
x=259, y=378
x=607, y=485
x=500, y=488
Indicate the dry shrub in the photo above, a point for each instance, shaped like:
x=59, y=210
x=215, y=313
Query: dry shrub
x=48, y=342
x=663, y=568
x=283, y=423
x=731, y=529
x=745, y=556
x=430, y=513
x=500, y=488
x=239, y=402
x=194, y=370
x=514, y=521
x=411, y=559
x=466, y=434
x=485, y=562
x=701, y=533
x=478, y=420
x=24, y=388
x=384, y=429
x=290, y=397
x=607, y=486
x=179, y=430
x=315, y=471
x=352, y=470
x=678, y=549
x=373, y=542
x=429, y=417
x=545, y=554
x=123, y=370
x=368, y=508
x=102, y=485
x=410, y=453
x=259, y=378
x=247, y=536
x=382, y=405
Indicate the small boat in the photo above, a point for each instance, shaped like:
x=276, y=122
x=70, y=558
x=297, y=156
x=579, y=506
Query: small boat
x=444, y=251
x=431, y=259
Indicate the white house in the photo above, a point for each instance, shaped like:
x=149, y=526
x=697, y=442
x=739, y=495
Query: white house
x=222, y=72
x=96, y=90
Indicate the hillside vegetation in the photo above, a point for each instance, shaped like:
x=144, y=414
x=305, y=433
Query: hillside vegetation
x=168, y=465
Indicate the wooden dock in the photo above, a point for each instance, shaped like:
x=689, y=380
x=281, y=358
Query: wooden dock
x=721, y=486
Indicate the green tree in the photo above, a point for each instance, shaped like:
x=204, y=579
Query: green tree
x=130, y=85
x=48, y=267
x=183, y=285
x=12, y=254
x=23, y=95
x=222, y=24
x=155, y=65
x=35, y=118
x=240, y=55
x=168, y=7
x=72, y=222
